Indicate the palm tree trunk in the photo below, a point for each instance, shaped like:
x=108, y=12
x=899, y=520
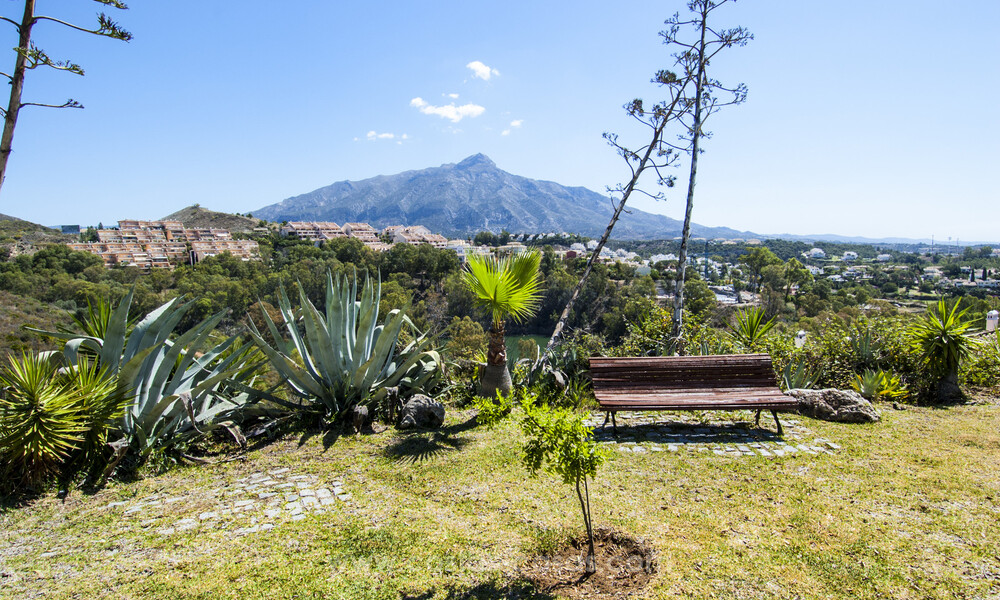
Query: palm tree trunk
x=496, y=377
x=948, y=389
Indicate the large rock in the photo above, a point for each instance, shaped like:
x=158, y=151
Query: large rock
x=421, y=411
x=842, y=406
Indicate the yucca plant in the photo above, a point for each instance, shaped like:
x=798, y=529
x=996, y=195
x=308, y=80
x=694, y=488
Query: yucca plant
x=41, y=418
x=750, y=328
x=940, y=340
x=342, y=356
x=507, y=288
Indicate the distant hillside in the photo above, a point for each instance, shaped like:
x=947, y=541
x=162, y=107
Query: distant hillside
x=474, y=195
x=196, y=216
x=14, y=230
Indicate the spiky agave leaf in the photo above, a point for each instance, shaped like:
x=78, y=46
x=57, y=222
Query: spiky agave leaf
x=342, y=356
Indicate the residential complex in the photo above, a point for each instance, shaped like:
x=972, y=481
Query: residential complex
x=163, y=244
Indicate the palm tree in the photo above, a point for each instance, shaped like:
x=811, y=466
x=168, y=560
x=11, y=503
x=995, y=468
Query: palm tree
x=940, y=340
x=509, y=287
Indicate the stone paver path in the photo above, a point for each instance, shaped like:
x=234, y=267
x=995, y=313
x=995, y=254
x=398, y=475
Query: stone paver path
x=642, y=432
x=257, y=502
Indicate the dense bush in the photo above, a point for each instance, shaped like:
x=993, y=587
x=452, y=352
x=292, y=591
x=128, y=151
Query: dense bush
x=982, y=369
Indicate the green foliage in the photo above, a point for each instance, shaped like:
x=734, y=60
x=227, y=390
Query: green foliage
x=750, y=328
x=41, y=422
x=343, y=356
x=983, y=367
x=493, y=410
x=179, y=384
x=879, y=385
x=558, y=442
x=505, y=287
x=465, y=338
x=798, y=375
x=940, y=339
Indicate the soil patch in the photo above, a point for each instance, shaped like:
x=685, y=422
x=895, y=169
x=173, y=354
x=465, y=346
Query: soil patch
x=625, y=566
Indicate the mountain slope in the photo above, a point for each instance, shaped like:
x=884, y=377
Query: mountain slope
x=196, y=216
x=471, y=196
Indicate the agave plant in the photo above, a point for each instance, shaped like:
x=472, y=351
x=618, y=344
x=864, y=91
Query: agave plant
x=797, y=375
x=940, y=340
x=342, y=356
x=750, y=328
x=178, y=385
x=879, y=385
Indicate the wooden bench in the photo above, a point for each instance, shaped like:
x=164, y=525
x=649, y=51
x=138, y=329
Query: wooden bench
x=717, y=382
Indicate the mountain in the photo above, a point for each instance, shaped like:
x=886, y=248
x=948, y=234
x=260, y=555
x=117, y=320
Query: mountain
x=196, y=216
x=459, y=200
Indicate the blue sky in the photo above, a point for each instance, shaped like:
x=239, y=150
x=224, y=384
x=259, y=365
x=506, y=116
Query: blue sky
x=864, y=118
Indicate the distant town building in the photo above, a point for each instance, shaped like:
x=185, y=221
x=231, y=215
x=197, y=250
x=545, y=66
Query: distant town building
x=850, y=255
x=312, y=230
x=361, y=231
x=163, y=244
x=883, y=257
x=815, y=253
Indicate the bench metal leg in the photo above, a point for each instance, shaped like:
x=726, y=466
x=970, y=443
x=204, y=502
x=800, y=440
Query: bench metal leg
x=756, y=423
x=607, y=415
x=614, y=425
x=776, y=421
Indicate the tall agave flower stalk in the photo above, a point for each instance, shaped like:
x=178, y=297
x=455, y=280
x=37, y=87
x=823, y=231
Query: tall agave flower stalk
x=342, y=356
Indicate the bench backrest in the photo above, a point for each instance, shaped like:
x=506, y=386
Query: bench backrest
x=732, y=371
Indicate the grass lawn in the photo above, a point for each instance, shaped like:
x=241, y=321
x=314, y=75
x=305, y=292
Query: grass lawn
x=906, y=508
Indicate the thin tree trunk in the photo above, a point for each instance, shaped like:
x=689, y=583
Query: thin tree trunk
x=584, y=497
x=16, y=87
x=686, y=232
x=564, y=317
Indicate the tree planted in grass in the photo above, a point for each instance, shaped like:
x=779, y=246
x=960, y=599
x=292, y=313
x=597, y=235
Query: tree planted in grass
x=557, y=442
x=508, y=287
x=560, y=443
x=940, y=340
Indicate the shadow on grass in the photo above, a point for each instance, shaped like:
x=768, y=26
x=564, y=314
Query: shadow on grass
x=421, y=444
x=516, y=590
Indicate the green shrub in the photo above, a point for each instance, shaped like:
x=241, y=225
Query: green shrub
x=982, y=368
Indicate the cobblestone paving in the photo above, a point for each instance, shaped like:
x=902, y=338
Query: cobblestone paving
x=257, y=502
x=643, y=432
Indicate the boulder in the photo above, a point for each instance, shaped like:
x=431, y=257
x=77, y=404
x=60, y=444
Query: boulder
x=842, y=406
x=421, y=411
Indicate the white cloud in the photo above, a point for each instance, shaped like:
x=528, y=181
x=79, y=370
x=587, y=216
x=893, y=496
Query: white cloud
x=452, y=96
x=482, y=71
x=449, y=111
x=375, y=136
x=513, y=125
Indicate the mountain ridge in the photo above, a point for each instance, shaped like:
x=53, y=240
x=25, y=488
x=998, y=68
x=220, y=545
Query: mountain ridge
x=461, y=199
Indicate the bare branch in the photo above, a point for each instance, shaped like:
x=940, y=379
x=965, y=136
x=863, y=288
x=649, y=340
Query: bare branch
x=12, y=22
x=71, y=103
